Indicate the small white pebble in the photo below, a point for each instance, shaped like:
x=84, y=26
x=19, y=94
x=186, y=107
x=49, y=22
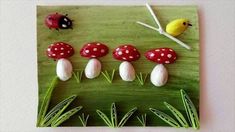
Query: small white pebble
x=87, y=51
x=119, y=52
x=95, y=49
x=102, y=50
x=169, y=55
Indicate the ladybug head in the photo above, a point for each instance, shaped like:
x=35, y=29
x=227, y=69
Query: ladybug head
x=65, y=22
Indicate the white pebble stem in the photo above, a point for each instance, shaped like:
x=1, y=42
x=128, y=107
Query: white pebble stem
x=166, y=34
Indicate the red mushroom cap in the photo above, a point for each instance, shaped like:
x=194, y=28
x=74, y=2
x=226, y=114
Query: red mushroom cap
x=60, y=50
x=94, y=50
x=126, y=53
x=161, y=55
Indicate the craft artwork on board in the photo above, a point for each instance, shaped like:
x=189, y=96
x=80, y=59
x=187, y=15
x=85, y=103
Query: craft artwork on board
x=105, y=66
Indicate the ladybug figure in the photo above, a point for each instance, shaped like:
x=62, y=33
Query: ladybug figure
x=58, y=21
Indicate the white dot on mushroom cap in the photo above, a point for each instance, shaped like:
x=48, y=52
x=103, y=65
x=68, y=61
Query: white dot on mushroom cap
x=52, y=44
x=48, y=49
x=127, y=51
x=170, y=49
x=152, y=54
x=57, y=44
x=62, y=43
x=124, y=58
x=157, y=50
x=167, y=62
x=98, y=44
x=137, y=55
x=102, y=50
x=53, y=54
x=163, y=49
x=117, y=49
x=68, y=51
x=162, y=54
x=62, y=48
x=125, y=46
x=61, y=53
x=175, y=58
x=71, y=48
x=119, y=52
x=158, y=59
x=134, y=49
x=93, y=56
x=49, y=55
x=169, y=55
x=56, y=49
x=88, y=44
x=67, y=45
x=131, y=57
x=87, y=51
x=95, y=49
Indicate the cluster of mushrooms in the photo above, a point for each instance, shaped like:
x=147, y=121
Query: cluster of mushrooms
x=61, y=51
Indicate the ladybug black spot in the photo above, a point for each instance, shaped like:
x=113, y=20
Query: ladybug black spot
x=65, y=23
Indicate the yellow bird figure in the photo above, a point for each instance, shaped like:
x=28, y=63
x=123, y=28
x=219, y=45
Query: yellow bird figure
x=177, y=26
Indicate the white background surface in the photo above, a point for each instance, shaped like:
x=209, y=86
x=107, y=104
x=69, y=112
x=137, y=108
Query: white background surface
x=18, y=74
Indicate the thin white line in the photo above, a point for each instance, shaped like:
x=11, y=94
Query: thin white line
x=166, y=34
x=154, y=17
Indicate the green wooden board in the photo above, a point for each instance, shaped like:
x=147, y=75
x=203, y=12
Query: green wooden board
x=114, y=25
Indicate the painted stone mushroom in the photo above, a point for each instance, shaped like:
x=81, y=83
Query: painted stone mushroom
x=93, y=51
x=127, y=54
x=60, y=51
x=159, y=74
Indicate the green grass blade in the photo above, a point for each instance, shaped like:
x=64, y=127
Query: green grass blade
x=190, y=110
x=140, y=78
x=126, y=117
x=57, y=110
x=165, y=117
x=46, y=101
x=113, y=115
x=142, y=120
x=177, y=114
x=65, y=116
x=107, y=76
x=78, y=76
x=104, y=118
x=83, y=119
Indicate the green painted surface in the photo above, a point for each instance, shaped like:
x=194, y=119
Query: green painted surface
x=114, y=25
